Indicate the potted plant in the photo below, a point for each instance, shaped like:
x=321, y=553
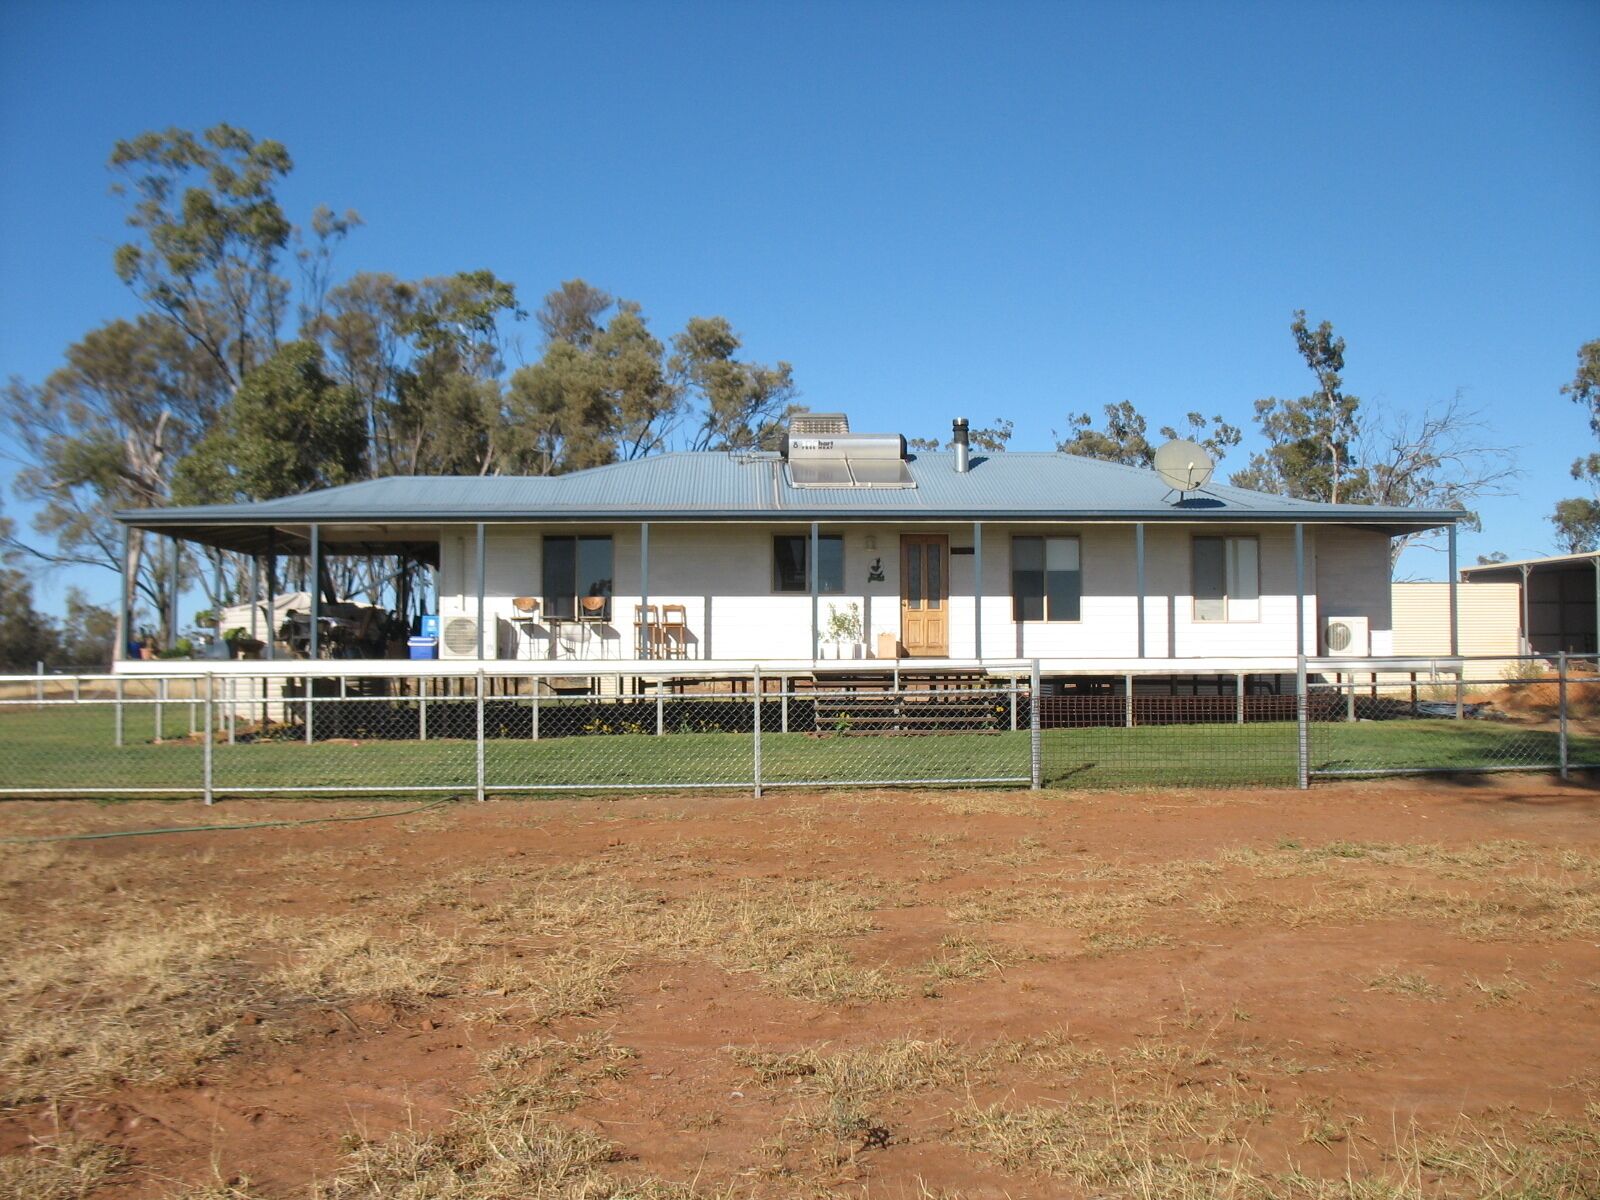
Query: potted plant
x=844, y=630
x=241, y=644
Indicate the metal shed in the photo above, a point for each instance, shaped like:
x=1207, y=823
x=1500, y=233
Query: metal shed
x=1559, y=600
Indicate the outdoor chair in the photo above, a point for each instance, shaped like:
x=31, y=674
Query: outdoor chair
x=592, y=616
x=525, y=621
x=675, y=630
x=647, y=617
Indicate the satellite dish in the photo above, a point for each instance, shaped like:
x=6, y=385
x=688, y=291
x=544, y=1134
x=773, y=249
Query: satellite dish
x=1183, y=466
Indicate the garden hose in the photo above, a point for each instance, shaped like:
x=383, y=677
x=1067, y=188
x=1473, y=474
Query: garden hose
x=122, y=833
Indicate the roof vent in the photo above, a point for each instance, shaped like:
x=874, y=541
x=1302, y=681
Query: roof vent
x=818, y=424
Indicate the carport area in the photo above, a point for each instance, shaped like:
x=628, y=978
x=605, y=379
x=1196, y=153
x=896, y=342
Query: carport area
x=1558, y=600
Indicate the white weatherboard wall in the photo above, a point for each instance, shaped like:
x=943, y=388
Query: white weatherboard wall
x=722, y=575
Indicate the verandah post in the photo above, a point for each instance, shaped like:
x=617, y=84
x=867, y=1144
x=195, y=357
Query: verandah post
x=811, y=562
x=316, y=593
x=124, y=622
x=482, y=587
x=977, y=590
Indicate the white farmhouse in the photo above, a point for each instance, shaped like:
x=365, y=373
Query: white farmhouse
x=842, y=545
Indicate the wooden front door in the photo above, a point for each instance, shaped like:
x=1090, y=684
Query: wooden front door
x=925, y=594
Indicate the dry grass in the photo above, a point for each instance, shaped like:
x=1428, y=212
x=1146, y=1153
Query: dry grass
x=95, y=1006
x=961, y=958
x=790, y=934
x=506, y=1143
x=1181, y=1148
x=1412, y=984
x=336, y=960
x=67, y=1168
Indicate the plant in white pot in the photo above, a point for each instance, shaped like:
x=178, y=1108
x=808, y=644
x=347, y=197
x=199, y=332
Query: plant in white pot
x=844, y=631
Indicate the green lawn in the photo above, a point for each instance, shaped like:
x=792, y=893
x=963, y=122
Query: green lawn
x=73, y=748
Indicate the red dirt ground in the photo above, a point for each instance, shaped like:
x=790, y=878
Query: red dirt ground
x=1250, y=978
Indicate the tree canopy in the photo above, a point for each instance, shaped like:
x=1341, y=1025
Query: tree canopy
x=1577, y=519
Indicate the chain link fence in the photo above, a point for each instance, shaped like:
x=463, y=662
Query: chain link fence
x=1507, y=714
x=349, y=732
x=235, y=734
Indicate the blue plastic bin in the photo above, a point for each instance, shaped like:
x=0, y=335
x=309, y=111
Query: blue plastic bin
x=423, y=647
x=430, y=625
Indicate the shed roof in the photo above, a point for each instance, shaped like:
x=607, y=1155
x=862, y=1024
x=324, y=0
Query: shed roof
x=734, y=486
x=1511, y=569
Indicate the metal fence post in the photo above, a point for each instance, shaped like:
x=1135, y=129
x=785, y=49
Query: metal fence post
x=661, y=711
x=1016, y=685
x=206, y=769
x=755, y=764
x=480, y=734
x=1303, y=730
x=161, y=695
x=1561, y=695
x=311, y=686
x=119, y=718
x=533, y=690
x=1035, y=758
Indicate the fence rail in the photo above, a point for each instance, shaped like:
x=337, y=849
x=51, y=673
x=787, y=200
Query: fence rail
x=342, y=731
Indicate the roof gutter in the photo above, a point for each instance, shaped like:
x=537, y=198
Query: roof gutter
x=156, y=518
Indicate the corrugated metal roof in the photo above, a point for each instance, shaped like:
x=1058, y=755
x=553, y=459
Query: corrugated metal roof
x=734, y=486
x=1516, y=564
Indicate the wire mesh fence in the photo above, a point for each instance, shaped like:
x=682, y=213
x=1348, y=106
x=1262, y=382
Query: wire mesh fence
x=221, y=734
x=1518, y=714
x=1118, y=737
x=346, y=732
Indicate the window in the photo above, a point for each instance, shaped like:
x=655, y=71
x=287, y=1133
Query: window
x=1227, y=579
x=790, y=571
x=574, y=567
x=1046, y=579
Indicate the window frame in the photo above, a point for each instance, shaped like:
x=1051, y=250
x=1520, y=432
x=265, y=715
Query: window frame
x=577, y=596
x=1044, y=597
x=1228, y=599
x=804, y=539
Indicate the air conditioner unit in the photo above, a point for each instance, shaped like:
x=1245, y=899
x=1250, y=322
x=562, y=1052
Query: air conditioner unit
x=1346, y=637
x=458, y=637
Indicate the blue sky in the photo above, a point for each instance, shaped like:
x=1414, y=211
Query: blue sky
x=929, y=209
